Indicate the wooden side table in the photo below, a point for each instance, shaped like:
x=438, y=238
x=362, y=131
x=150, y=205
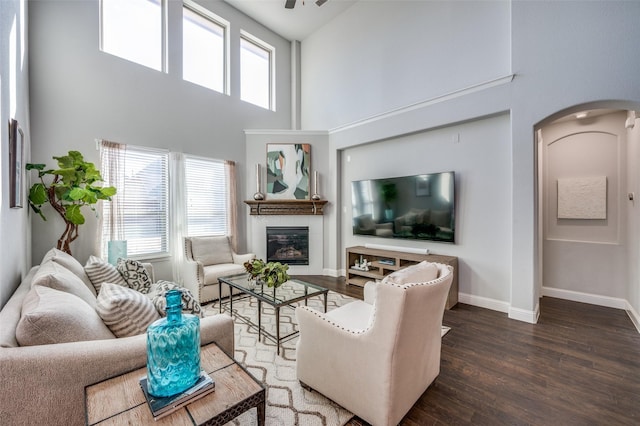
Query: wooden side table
x=120, y=401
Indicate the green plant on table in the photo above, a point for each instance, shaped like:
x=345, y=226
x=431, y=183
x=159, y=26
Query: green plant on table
x=73, y=185
x=274, y=274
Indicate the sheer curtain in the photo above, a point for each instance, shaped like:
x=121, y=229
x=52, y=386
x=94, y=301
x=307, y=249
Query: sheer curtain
x=232, y=217
x=112, y=160
x=178, y=211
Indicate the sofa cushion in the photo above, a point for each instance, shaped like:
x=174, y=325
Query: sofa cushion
x=71, y=263
x=135, y=274
x=125, y=311
x=419, y=273
x=211, y=250
x=53, y=275
x=100, y=272
x=158, y=292
x=52, y=316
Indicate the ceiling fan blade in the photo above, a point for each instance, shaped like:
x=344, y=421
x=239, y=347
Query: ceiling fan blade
x=289, y=4
x=321, y=2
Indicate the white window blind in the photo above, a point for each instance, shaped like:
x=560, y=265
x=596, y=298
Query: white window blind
x=143, y=220
x=206, y=188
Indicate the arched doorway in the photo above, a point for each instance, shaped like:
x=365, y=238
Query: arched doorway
x=588, y=158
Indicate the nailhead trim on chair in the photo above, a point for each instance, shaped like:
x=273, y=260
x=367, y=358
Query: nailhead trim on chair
x=200, y=277
x=323, y=316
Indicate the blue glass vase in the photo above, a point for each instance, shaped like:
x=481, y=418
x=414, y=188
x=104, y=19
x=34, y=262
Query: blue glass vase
x=173, y=350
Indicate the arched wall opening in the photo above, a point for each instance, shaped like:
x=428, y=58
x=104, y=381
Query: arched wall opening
x=588, y=213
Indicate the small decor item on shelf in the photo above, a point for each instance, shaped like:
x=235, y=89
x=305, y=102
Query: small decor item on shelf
x=173, y=349
x=316, y=195
x=274, y=274
x=258, y=196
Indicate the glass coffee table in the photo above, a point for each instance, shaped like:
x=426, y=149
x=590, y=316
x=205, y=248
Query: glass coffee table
x=287, y=294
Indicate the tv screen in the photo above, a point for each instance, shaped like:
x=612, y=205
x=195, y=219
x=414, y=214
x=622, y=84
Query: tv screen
x=420, y=207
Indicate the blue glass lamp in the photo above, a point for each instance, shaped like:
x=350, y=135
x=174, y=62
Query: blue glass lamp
x=116, y=249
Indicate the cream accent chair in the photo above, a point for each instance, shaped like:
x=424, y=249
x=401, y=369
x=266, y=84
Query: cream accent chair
x=207, y=259
x=377, y=357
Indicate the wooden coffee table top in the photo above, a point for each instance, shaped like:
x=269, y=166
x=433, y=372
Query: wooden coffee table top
x=120, y=401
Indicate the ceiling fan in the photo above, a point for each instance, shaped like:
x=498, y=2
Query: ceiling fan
x=289, y=4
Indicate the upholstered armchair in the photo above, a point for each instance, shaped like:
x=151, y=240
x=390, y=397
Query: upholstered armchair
x=206, y=259
x=377, y=357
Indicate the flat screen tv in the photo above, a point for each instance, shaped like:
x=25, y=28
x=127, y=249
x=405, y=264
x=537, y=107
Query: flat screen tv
x=420, y=207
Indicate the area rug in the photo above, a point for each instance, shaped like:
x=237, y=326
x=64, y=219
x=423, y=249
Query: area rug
x=287, y=402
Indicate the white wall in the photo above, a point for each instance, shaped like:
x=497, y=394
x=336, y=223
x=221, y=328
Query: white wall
x=633, y=216
x=562, y=54
x=15, y=249
x=80, y=93
x=586, y=256
x=382, y=55
x=478, y=152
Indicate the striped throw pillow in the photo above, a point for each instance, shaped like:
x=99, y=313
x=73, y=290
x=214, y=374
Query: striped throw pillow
x=125, y=311
x=100, y=272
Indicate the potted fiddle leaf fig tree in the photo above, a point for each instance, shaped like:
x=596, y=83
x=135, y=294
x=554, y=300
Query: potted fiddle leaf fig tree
x=69, y=188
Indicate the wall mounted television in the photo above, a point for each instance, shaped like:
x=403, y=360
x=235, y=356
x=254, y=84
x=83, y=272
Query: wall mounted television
x=419, y=207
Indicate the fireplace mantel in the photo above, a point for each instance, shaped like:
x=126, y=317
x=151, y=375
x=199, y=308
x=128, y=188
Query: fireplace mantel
x=286, y=207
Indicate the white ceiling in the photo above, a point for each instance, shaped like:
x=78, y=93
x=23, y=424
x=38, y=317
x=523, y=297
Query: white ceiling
x=292, y=24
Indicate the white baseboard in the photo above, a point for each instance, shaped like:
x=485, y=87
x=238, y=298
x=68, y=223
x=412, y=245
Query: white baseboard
x=526, y=316
x=634, y=316
x=593, y=299
x=334, y=272
x=500, y=306
x=483, y=302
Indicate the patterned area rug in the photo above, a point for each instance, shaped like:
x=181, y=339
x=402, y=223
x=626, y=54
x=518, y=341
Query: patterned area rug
x=287, y=402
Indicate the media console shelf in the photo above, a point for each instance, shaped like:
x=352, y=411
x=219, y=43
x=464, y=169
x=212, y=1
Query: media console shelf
x=384, y=262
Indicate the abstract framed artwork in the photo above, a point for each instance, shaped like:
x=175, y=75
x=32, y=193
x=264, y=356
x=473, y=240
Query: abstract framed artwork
x=288, y=171
x=16, y=147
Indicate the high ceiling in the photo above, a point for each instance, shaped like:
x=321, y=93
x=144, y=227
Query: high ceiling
x=292, y=24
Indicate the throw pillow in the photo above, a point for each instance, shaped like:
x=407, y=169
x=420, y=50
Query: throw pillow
x=51, y=316
x=419, y=273
x=125, y=311
x=159, y=290
x=211, y=250
x=53, y=275
x=135, y=274
x=71, y=263
x=100, y=272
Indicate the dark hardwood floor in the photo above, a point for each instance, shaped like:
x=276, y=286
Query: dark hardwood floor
x=580, y=365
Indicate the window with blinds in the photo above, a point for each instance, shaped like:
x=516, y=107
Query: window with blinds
x=206, y=190
x=142, y=217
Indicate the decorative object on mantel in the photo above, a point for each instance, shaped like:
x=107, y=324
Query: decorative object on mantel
x=258, y=195
x=74, y=185
x=286, y=207
x=316, y=195
x=273, y=274
x=288, y=171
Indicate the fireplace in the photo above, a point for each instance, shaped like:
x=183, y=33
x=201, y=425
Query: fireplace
x=288, y=244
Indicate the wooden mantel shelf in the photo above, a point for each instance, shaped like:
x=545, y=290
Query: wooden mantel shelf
x=286, y=207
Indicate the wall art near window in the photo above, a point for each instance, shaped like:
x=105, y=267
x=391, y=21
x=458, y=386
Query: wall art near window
x=16, y=173
x=288, y=169
x=582, y=198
